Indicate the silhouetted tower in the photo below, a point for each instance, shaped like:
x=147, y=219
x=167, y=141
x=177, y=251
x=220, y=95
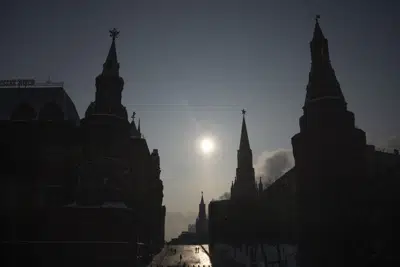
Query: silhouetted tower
x=201, y=221
x=109, y=84
x=202, y=208
x=245, y=184
x=330, y=167
x=105, y=134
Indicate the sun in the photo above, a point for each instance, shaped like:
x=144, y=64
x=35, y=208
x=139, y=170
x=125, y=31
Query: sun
x=207, y=146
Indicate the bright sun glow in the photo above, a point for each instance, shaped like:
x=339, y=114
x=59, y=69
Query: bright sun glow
x=207, y=146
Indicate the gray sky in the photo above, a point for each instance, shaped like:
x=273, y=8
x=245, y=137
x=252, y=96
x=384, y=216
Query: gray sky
x=191, y=66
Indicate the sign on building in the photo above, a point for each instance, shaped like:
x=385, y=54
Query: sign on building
x=17, y=83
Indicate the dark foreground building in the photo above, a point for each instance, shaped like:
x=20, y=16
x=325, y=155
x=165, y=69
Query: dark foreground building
x=77, y=192
x=337, y=187
x=338, y=203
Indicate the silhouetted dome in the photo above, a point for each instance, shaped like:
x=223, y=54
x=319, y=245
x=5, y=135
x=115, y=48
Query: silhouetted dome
x=47, y=103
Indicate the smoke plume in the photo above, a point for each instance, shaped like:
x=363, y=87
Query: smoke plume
x=271, y=165
x=225, y=196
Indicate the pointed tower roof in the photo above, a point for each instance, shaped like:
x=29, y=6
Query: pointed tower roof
x=111, y=65
x=138, y=128
x=134, y=133
x=322, y=83
x=244, y=138
x=202, y=199
x=317, y=29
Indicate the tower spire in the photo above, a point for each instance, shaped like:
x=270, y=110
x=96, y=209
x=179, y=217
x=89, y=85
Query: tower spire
x=111, y=65
x=138, y=128
x=109, y=84
x=317, y=29
x=322, y=83
x=244, y=138
x=202, y=199
x=245, y=184
x=202, y=208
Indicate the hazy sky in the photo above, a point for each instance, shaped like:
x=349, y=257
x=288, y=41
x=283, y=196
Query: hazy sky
x=191, y=66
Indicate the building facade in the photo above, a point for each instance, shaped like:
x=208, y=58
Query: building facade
x=79, y=173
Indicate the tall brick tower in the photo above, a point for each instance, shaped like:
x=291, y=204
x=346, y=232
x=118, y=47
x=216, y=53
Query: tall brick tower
x=329, y=153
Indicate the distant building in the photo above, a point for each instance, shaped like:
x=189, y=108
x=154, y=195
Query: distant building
x=202, y=221
x=185, y=238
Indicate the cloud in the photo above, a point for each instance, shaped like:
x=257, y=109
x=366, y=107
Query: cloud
x=271, y=165
x=176, y=222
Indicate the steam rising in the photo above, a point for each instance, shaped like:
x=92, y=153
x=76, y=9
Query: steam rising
x=271, y=165
x=225, y=196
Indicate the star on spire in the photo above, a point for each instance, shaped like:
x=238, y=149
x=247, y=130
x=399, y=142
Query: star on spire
x=317, y=29
x=114, y=33
x=133, y=115
x=244, y=138
x=111, y=65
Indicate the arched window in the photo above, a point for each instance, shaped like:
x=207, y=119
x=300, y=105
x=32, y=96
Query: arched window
x=51, y=112
x=23, y=112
